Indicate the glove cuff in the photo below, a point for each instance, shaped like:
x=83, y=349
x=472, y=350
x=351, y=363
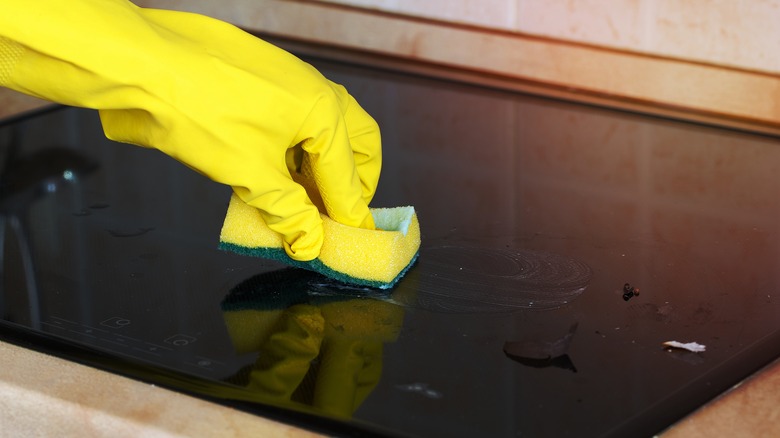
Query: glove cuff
x=10, y=53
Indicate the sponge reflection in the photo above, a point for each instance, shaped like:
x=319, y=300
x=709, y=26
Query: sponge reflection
x=313, y=350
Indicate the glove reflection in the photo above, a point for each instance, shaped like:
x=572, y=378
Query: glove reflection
x=320, y=351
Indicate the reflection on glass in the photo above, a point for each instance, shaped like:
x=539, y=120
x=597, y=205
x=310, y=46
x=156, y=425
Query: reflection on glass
x=25, y=179
x=314, y=350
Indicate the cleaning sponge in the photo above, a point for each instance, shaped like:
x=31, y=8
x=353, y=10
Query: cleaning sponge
x=375, y=258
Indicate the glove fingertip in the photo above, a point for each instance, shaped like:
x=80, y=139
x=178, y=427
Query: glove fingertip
x=304, y=246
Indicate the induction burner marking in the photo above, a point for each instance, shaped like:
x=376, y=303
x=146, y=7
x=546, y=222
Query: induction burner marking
x=107, y=336
x=460, y=279
x=180, y=340
x=109, y=340
x=115, y=322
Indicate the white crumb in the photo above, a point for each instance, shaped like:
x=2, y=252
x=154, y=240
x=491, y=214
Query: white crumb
x=690, y=346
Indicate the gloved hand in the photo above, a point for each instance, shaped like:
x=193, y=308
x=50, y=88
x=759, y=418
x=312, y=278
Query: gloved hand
x=208, y=94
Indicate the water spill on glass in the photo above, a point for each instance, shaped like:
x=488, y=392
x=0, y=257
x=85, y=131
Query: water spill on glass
x=463, y=279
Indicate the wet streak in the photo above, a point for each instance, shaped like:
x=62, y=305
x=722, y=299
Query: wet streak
x=460, y=279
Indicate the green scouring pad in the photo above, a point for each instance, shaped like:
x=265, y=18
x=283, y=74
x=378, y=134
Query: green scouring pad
x=374, y=258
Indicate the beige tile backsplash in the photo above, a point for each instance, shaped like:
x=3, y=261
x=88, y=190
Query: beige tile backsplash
x=736, y=33
x=729, y=32
x=742, y=34
x=492, y=13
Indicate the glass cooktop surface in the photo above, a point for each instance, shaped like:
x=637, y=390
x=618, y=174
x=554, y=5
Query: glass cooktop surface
x=562, y=246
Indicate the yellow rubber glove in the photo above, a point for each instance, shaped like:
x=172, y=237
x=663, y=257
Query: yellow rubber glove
x=206, y=93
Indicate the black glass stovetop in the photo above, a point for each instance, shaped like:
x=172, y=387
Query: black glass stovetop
x=562, y=245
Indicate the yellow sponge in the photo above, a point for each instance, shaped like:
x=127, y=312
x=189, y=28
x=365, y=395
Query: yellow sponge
x=375, y=258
